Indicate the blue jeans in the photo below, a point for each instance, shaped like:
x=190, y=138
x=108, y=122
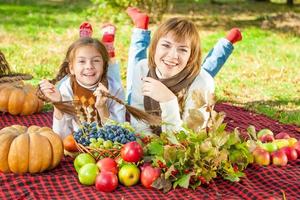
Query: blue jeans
x=140, y=40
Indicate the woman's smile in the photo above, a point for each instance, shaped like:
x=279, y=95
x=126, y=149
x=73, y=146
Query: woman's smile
x=171, y=56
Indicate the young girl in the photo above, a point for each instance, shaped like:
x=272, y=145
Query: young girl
x=170, y=76
x=86, y=66
x=140, y=40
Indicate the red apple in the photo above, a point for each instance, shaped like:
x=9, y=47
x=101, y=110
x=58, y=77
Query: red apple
x=267, y=138
x=290, y=152
x=279, y=158
x=106, y=181
x=142, y=167
x=132, y=152
x=261, y=157
x=282, y=135
x=108, y=164
x=149, y=175
x=297, y=147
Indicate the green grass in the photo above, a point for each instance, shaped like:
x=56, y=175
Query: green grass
x=262, y=74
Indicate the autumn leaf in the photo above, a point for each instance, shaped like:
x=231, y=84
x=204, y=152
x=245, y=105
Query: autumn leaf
x=252, y=132
x=195, y=119
x=182, y=135
x=234, y=177
x=170, y=153
x=221, y=157
x=198, y=98
x=216, y=120
x=220, y=139
x=162, y=183
x=172, y=138
x=169, y=171
x=233, y=138
x=211, y=99
x=205, y=146
x=155, y=148
x=184, y=181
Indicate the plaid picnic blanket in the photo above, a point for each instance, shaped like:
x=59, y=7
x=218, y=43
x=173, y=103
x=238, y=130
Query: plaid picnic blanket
x=61, y=183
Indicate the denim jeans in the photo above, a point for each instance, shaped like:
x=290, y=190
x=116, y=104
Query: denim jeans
x=140, y=40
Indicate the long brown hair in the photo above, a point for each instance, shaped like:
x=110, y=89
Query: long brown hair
x=181, y=29
x=86, y=41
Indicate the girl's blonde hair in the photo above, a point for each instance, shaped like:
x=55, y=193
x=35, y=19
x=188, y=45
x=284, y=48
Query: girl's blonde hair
x=181, y=29
x=86, y=41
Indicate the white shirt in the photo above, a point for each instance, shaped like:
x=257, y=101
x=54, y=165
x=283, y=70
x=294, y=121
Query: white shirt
x=170, y=110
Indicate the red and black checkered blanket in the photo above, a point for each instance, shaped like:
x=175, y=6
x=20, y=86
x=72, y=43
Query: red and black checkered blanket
x=61, y=183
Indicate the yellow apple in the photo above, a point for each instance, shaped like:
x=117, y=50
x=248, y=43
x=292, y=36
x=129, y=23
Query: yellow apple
x=129, y=174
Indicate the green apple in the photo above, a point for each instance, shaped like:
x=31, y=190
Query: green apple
x=281, y=143
x=129, y=174
x=88, y=173
x=82, y=159
x=269, y=147
x=264, y=132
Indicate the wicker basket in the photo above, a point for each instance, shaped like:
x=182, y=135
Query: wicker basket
x=6, y=75
x=99, y=153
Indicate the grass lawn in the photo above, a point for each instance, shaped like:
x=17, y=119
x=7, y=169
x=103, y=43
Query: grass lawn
x=261, y=75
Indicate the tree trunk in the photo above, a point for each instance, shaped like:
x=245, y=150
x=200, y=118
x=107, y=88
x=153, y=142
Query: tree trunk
x=290, y=2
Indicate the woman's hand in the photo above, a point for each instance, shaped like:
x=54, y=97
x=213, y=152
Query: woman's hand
x=156, y=90
x=100, y=99
x=50, y=91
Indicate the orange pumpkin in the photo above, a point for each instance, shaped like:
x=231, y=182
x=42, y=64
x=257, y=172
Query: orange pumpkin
x=19, y=98
x=34, y=149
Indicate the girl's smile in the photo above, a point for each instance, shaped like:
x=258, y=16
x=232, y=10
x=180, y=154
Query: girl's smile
x=87, y=66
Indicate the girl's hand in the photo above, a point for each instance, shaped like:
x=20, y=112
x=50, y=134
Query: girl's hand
x=50, y=91
x=100, y=99
x=156, y=90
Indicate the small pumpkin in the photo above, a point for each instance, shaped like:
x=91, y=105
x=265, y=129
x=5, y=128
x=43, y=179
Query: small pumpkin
x=34, y=149
x=19, y=98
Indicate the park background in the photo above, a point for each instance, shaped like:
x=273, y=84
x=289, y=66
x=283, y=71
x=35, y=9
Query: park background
x=262, y=74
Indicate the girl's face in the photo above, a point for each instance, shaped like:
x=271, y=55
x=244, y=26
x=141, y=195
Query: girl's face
x=171, y=57
x=87, y=65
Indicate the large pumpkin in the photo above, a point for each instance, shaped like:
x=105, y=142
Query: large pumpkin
x=34, y=149
x=19, y=98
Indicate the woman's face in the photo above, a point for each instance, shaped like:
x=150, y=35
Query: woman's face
x=171, y=57
x=87, y=65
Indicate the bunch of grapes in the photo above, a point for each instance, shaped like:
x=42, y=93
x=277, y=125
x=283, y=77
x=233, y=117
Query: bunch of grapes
x=104, y=144
x=85, y=132
x=111, y=135
x=116, y=133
